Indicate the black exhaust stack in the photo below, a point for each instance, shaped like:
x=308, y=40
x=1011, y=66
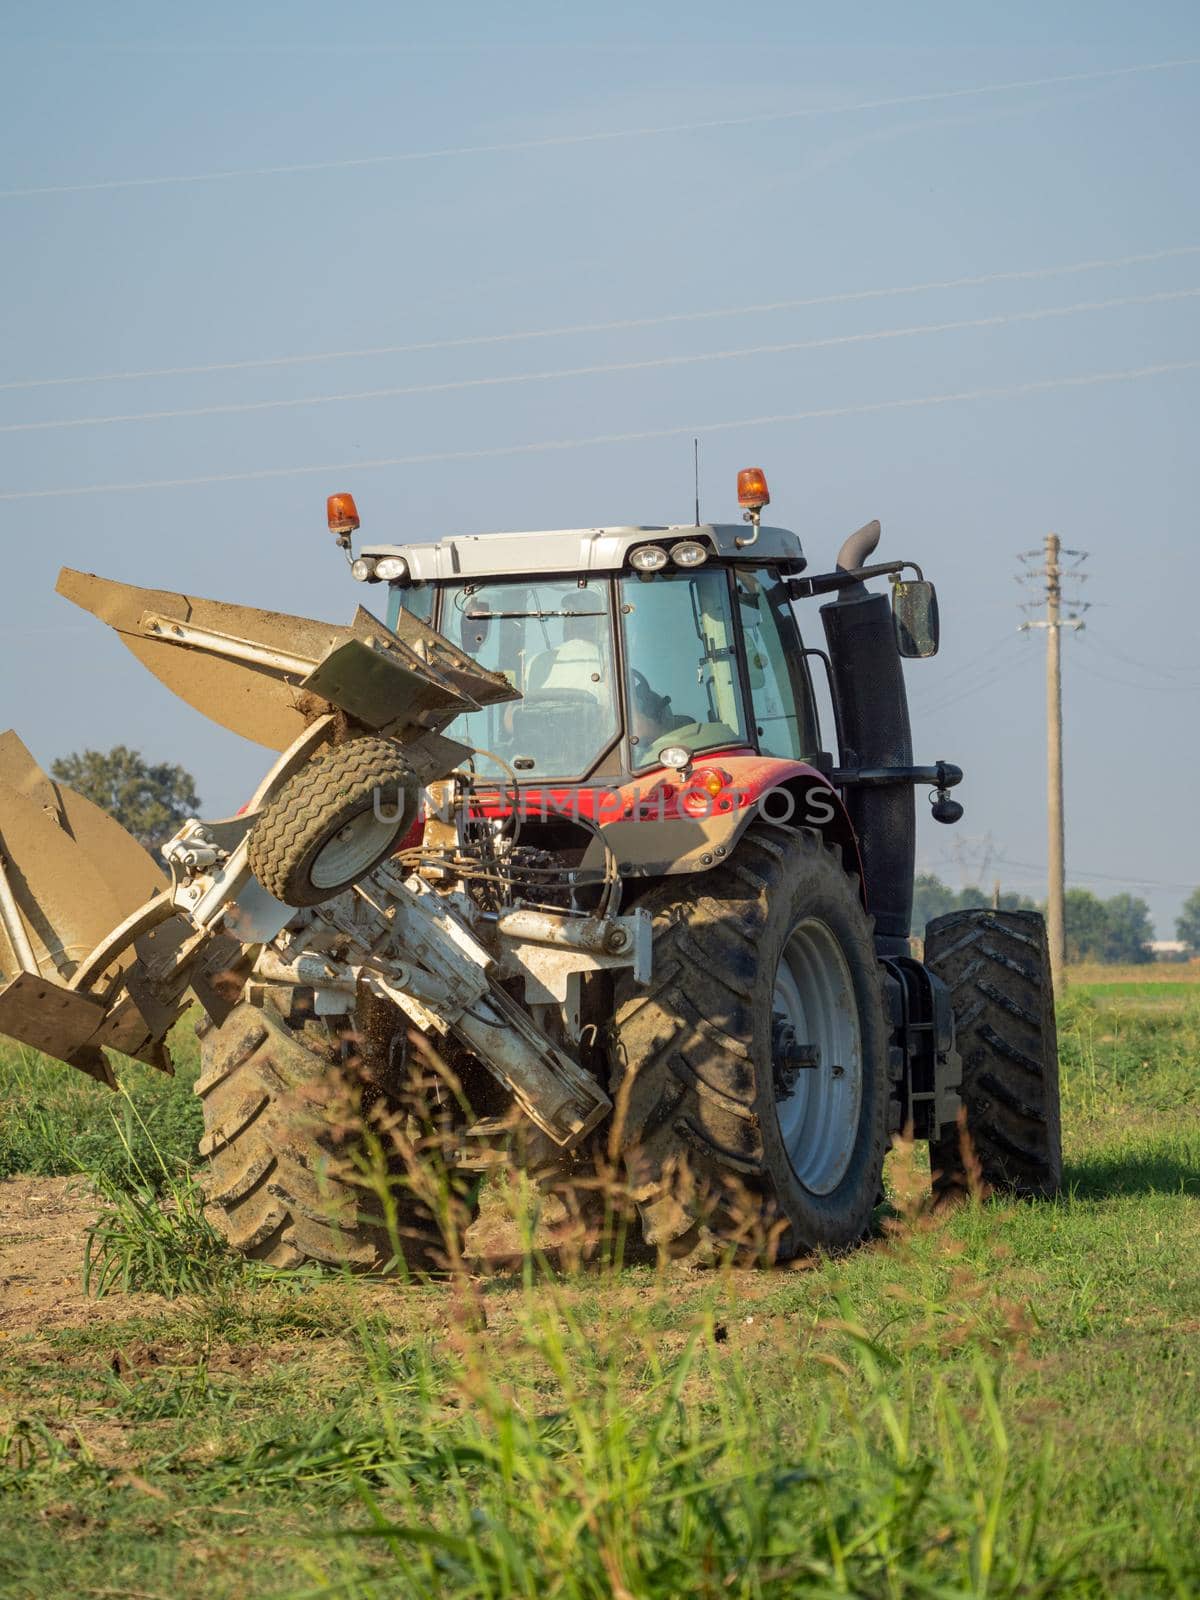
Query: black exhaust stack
x=872, y=706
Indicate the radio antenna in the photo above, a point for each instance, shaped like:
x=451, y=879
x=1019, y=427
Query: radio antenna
x=696, y=475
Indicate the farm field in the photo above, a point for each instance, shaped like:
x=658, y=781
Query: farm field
x=1000, y=1401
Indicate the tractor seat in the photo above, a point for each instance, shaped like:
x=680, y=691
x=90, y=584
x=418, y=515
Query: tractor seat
x=576, y=664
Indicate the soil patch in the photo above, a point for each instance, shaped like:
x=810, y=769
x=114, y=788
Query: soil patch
x=43, y=1233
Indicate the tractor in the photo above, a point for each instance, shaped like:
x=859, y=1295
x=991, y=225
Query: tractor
x=556, y=811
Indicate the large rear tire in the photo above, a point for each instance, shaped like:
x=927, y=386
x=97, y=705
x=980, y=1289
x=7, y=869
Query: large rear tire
x=727, y=1135
x=280, y=1137
x=996, y=965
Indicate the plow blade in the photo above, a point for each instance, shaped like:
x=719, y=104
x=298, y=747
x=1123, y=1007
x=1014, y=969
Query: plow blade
x=72, y=872
x=69, y=877
x=95, y=952
x=265, y=675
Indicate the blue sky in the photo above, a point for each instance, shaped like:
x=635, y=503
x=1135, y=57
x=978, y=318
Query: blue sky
x=576, y=229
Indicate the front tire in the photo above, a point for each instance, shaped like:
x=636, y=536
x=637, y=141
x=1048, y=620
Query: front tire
x=728, y=1137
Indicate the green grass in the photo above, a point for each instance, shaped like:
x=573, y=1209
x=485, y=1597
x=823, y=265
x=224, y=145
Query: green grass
x=1164, y=990
x=55, y=1121
x=1003, y=1402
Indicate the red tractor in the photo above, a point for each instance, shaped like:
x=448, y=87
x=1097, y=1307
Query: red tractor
x=621, y=882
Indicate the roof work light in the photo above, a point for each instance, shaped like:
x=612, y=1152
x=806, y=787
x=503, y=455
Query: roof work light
x=753, y=494
x=342, y=516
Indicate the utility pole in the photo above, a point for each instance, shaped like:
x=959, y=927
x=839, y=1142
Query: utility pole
x=1056, y=868
x=1051, y=573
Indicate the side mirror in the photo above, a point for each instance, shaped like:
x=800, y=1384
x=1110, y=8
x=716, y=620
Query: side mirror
x=915, y=617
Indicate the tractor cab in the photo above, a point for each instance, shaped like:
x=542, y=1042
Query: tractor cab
x=662, y=675
x=627, y=645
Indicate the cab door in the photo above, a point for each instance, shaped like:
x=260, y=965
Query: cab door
x=781, y=696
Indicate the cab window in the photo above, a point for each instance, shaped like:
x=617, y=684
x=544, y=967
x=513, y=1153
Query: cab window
x=780, y=690
x=415, y=598
x=682, y=684
x=552, y=639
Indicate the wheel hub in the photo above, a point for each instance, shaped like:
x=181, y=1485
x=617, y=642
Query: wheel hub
x=352, y=849
x=789, y=1057
x=816, y=1056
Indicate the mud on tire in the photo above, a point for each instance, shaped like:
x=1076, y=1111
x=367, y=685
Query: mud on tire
x=996, y=965
x=281, y=1183
x=692, y=1054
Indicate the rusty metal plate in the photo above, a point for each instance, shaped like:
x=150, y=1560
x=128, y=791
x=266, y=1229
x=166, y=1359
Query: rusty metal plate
x=659, y=848
x=457, y=668
x=430, y=756
x=20, y=771
x=48, y=1016
x=377, y=688
x=130, y=872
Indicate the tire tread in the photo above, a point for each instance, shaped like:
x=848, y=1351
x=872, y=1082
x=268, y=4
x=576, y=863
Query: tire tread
x=683, y=1055
x=996, y=965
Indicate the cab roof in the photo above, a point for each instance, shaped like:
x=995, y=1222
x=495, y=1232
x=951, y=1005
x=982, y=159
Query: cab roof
x=498, y=555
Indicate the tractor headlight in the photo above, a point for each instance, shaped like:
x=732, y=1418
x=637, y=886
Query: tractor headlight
x=675, y=755
x=364, y=570
x=648, y=558
x=689, y=553
x=389, y=568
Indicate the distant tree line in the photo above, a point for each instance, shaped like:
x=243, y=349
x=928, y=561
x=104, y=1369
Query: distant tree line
x=1187, y=924
x=1117, y=929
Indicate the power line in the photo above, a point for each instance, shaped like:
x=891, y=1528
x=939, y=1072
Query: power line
x=605, y=368
x=970, y=668
x=967, y=692
x=974, y=673
x=559, y=141
x=956, y=699
x=1145, y=688
x=1100, y=877
x=487, y=452
x=1103, y=645
x=1076, y=872
x=627, y=324
x=429, y=458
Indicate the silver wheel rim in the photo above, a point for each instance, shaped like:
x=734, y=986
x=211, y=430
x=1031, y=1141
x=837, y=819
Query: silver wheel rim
x=354, y=849
x=819, y=1109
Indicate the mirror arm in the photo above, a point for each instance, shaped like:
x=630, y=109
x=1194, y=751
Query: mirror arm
x=942, y=775
x=826, y=582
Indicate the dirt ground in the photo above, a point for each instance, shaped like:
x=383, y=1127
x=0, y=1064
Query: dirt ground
x=43, y=1237
x=43, y=1234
